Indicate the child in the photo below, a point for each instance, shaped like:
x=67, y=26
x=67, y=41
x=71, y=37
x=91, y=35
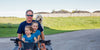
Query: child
x=36, y=32
x=28, y=37
x=39, y=18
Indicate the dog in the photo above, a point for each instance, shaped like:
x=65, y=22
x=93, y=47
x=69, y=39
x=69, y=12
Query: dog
x=39, y=18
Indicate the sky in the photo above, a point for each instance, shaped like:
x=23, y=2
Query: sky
x=18, y=7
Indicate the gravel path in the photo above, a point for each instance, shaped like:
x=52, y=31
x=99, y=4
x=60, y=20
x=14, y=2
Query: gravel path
x=76, y=40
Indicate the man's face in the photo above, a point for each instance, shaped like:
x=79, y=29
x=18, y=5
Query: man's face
x=29, y=16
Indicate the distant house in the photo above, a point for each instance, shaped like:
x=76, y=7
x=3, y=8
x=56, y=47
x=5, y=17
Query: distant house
x=80, y=12
x=60, y=11
x=96, y=12
x=42, y=13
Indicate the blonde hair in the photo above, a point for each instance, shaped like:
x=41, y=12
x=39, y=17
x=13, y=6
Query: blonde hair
x=30, y=28
x=35, y=22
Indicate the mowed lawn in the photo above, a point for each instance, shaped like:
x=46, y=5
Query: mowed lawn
x=52, y=25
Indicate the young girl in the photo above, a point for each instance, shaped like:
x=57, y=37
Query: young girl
x=36, y=32
x=28, y=37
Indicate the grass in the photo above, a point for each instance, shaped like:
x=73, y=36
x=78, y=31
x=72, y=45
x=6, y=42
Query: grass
x=11, y=32
x=53, y=25
x=8, y=32
x=72, y=23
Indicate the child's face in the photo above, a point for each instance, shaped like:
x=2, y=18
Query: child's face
x=27, y=31
x=35, y=26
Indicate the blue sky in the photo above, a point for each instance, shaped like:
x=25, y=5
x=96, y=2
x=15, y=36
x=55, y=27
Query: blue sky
x=18, y=7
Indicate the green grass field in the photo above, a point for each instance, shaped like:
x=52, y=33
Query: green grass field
x=52, y=25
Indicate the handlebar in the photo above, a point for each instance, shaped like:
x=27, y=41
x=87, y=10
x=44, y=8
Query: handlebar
x=47, y=42
x=17, y=40
x=13, y=39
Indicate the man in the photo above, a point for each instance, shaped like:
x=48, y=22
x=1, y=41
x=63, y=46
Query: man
x=29, y=20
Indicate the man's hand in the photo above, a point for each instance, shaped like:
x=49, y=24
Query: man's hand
x=20, y=37
x=20, y=45
x=43, y=45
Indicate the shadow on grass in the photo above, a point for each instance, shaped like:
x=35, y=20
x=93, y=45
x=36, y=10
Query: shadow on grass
x=49, y=31
x=8, y=25
x=10, y=30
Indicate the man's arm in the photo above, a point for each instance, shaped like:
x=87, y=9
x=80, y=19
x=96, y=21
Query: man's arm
x=42, y=36
x=20, y=37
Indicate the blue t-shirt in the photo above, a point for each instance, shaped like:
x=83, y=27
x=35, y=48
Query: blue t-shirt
x=29, y=39
x=21, y=28
x=37, y=33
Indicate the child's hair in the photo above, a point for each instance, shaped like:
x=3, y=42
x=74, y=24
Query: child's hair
x=35, y=22
x=30, y=28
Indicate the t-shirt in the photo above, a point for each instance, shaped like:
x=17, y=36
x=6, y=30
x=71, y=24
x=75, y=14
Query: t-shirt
x=29, y=39
x=21, y=28
x=37, y=33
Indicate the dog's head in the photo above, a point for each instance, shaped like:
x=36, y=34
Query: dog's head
x=39, y=18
